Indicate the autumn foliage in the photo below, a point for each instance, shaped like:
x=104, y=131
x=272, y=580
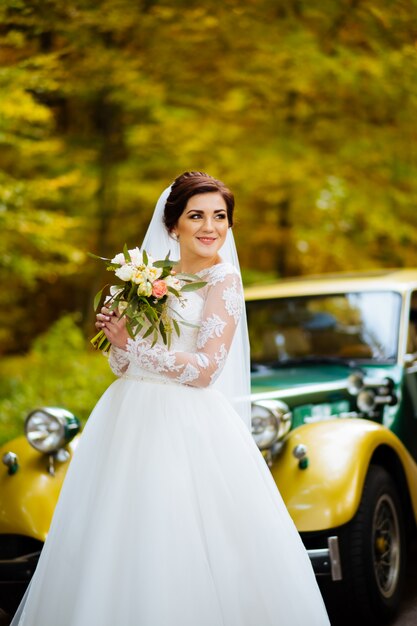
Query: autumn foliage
x=306, y=109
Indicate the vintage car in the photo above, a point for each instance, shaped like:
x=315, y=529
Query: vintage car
x=334, y=411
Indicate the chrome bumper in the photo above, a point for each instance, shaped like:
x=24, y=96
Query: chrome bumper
x=326, y=561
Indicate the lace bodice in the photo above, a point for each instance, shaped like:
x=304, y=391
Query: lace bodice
x=196, y=357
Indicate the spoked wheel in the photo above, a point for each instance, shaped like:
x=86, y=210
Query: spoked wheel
x=386, y=541
x=373, y=551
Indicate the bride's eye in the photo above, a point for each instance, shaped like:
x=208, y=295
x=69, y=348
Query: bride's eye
x=193, y=215
x=221, y=216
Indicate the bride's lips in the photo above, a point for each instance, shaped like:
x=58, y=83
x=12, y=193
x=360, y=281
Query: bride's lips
x=207, y=241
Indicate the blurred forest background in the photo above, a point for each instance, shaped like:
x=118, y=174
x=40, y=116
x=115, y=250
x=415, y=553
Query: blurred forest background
x=306, y=109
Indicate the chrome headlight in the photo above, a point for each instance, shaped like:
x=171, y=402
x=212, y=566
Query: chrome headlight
x=366, y=400
x=271, y=421
x=48, y=429
x=355, y=383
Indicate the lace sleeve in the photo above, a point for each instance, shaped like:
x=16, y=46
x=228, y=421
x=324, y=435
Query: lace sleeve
x=118, y=360
x=221, y=313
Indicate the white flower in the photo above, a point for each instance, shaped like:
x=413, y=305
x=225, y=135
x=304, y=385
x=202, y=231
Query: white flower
x=150, y=259
x=138, y=276
x=125, y=272
x=152, y=273
x=115, y=290
x=171, y=281
x=145, y=288
x=136, y=257
x=119, y=259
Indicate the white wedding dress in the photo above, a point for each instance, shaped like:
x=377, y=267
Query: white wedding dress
x=169, y=515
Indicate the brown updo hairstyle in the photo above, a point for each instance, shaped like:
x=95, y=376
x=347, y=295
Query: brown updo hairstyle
x=190, y=184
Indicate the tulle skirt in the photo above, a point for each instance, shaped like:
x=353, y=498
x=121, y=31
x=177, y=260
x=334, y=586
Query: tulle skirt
x=169, y=516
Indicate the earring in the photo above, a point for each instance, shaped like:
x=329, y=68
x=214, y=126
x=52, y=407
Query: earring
x=176, y=237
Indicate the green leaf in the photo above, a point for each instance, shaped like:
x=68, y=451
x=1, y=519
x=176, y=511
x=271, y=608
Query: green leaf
x=130, y=310
x=130, y=329
x=177, y=328
x=155, y=338
x=151, y=311
x=174, y=291
x=162, y=331
x=193, y=286
x=112, y=305
x=166, y=263
x=100, y=258
x=126, y=254
x=188, y=324
x=145, y=257
x=97, y=298
x=187, y=277
x=148, y=332
x=138, y=327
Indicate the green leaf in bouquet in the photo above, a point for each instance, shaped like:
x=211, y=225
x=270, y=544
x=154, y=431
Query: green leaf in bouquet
x=162, y=331
x=112, y=305
x=97, y=297
x=193, y=286
x=148, y=332
x=132, y=290
x=138, y=327
x=189, y=324
x=164, y=263
x=130, y=310
x=149, y=310
x=151, y=316
x=184, y=323
x=130, y=330
x=145, y=257
x=187, y=277
x=176, y=327
x=174, y=291
x=100, y=258
x=155, y=338
x=126, y=254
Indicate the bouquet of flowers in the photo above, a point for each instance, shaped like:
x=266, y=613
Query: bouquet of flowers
x=142, y=296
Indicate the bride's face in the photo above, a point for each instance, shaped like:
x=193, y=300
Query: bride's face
x=202, y=226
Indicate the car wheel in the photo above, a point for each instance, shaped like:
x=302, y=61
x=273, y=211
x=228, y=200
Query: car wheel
x=373, y=554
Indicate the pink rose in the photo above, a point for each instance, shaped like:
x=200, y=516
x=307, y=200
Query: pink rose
x=159, y=289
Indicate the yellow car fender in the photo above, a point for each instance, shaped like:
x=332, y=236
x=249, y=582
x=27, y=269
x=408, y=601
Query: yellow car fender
x=327, y=493
x=28, y=497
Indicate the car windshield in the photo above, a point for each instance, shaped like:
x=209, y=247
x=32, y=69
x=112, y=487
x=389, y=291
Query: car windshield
x=349, y=326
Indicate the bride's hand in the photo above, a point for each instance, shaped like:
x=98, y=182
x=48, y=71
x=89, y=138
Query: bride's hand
x=113, y=326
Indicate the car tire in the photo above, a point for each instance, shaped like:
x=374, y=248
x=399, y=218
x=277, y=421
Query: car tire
x=373, y=556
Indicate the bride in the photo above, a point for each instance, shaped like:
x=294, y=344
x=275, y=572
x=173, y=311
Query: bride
x=169, y=515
